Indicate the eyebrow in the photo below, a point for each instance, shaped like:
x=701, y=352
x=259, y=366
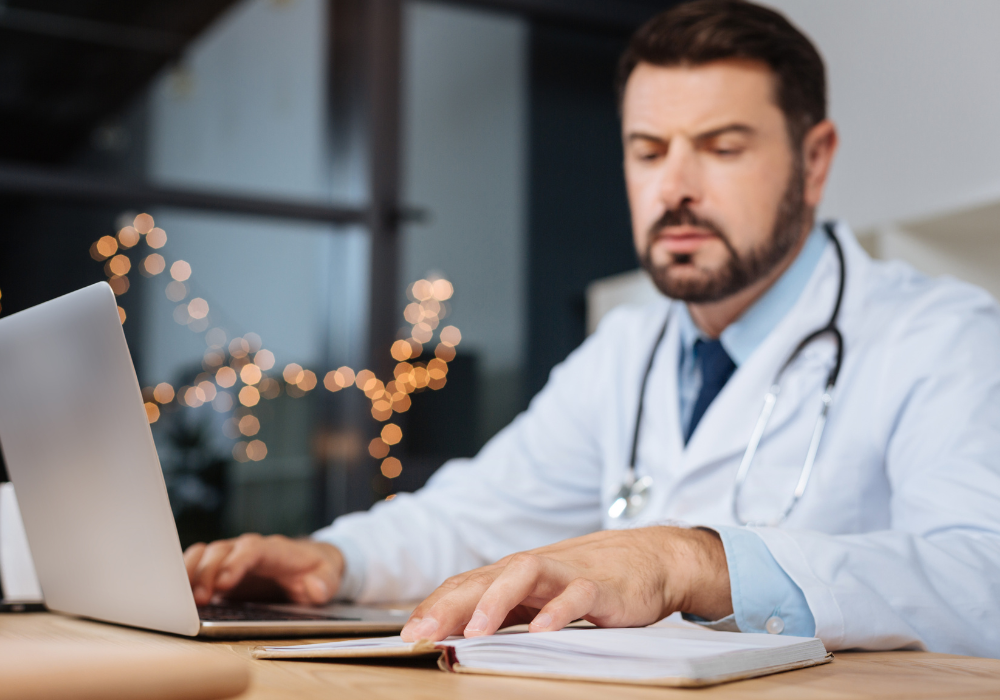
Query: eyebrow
x=704, y=136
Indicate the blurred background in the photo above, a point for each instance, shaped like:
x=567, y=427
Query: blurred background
x=350, y=238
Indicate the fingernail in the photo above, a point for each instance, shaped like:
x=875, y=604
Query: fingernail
x=542, y=621
x=200, y=592
x=478, y=622
x=425, y=629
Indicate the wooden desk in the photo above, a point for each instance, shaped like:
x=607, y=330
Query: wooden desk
x=899, y=674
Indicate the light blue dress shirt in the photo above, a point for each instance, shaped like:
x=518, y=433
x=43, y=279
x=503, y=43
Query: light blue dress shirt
x=761, y=589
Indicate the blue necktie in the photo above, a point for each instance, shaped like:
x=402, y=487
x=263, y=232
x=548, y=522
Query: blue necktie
x=716, y=369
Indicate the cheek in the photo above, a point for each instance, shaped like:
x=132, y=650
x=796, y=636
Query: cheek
x=644, y=206
x=745, y=199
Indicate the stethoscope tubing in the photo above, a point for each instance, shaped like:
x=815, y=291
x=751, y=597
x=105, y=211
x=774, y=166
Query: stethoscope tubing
x=624, y=501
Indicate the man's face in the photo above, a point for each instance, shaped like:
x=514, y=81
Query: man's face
x=715, y=189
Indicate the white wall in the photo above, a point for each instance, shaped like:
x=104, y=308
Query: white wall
x=913, y=89
x=465, y=141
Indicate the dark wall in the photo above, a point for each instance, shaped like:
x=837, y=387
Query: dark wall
x=579, y=226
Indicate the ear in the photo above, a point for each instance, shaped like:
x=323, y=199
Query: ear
x=818, y=149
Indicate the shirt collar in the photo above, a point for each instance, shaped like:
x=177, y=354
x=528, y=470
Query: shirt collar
x=745, y=334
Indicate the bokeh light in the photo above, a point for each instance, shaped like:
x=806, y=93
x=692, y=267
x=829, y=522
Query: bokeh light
x=249, y=425
x=391, y=434
x=293, y=373
x=256, y=450
x=422, y=290
x=128, y=237
x=330, y=381
x=249, y=396
x=193, y=397
x=240, y=452
x=250, y=374
x=225, y=377
x=378, y=449
x=107, y=246
x=207, y=389
x=119, y=265
x=180, y=270
x=269, y=388
x=239, y=347
x=451, y=336
x=157, y=238
x=198, y=308
x=175, y=290
x=154, y=264
x=401, y=350
x=121, y=315
x=152, y=412
x=253, y=340
x=442, y=289
x=143, y=223
x=391, y=467
x=444, y=352
x=365, y=380
x=264, y=359
x=164, y=393
x=119, y=285
x=308, y=380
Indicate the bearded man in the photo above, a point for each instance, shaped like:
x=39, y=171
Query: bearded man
x=796, y=439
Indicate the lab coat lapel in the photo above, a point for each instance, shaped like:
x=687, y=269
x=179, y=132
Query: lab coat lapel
x=725, y=429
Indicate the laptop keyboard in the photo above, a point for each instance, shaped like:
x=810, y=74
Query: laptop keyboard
x=248, y=612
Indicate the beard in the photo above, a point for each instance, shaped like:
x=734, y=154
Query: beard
x=739, y=271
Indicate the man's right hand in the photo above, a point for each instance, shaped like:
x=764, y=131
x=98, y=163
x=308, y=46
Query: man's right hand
x=308, y=571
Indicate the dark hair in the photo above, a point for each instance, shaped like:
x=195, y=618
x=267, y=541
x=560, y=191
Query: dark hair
x=699, y=32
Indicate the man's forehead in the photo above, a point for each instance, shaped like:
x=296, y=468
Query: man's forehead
x=697, y=99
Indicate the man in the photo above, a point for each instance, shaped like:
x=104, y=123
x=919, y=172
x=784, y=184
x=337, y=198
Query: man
x=893, y=539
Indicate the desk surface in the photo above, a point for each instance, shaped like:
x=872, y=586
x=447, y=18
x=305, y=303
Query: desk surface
x=899, y=674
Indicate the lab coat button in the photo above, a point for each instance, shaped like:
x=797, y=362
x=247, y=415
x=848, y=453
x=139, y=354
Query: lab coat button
x=774, y=625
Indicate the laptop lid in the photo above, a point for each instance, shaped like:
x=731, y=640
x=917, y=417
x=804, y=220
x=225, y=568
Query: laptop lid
x=80, y=453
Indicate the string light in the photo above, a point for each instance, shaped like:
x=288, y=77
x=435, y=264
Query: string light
x=250, y=363
x=157, y=238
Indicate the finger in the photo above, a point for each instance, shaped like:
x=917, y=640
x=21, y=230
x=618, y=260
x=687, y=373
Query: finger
x=242, y=558
x=453, y=610
x=427, y=603
x=204, y=576
x=192, y=555
x=525, y=576
x=579, y=598
x=309, y=571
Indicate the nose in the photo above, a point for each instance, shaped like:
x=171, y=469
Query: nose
x=680, y=176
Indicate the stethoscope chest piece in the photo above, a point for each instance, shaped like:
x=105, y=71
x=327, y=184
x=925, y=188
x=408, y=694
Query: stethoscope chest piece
x=632, y=497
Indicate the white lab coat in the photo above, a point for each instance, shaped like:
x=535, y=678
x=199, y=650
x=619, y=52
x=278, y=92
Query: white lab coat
x=896, y=542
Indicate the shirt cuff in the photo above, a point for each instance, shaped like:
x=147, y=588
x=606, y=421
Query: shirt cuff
x=761, y=590
x=352, y=580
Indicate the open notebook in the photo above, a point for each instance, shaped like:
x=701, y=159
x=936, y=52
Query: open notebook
x=668, y=656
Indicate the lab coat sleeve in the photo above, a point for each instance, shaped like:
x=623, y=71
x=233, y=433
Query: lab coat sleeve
x=536, y=482
x=932, y=580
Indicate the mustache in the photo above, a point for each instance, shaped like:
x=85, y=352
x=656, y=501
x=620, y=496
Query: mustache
x=683, y=216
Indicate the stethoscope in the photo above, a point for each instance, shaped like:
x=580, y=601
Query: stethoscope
x=633, y=495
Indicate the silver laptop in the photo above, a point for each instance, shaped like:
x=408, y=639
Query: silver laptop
x=80, y=453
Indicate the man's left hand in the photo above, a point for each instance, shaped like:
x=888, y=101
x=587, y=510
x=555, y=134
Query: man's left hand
x=613, y=578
